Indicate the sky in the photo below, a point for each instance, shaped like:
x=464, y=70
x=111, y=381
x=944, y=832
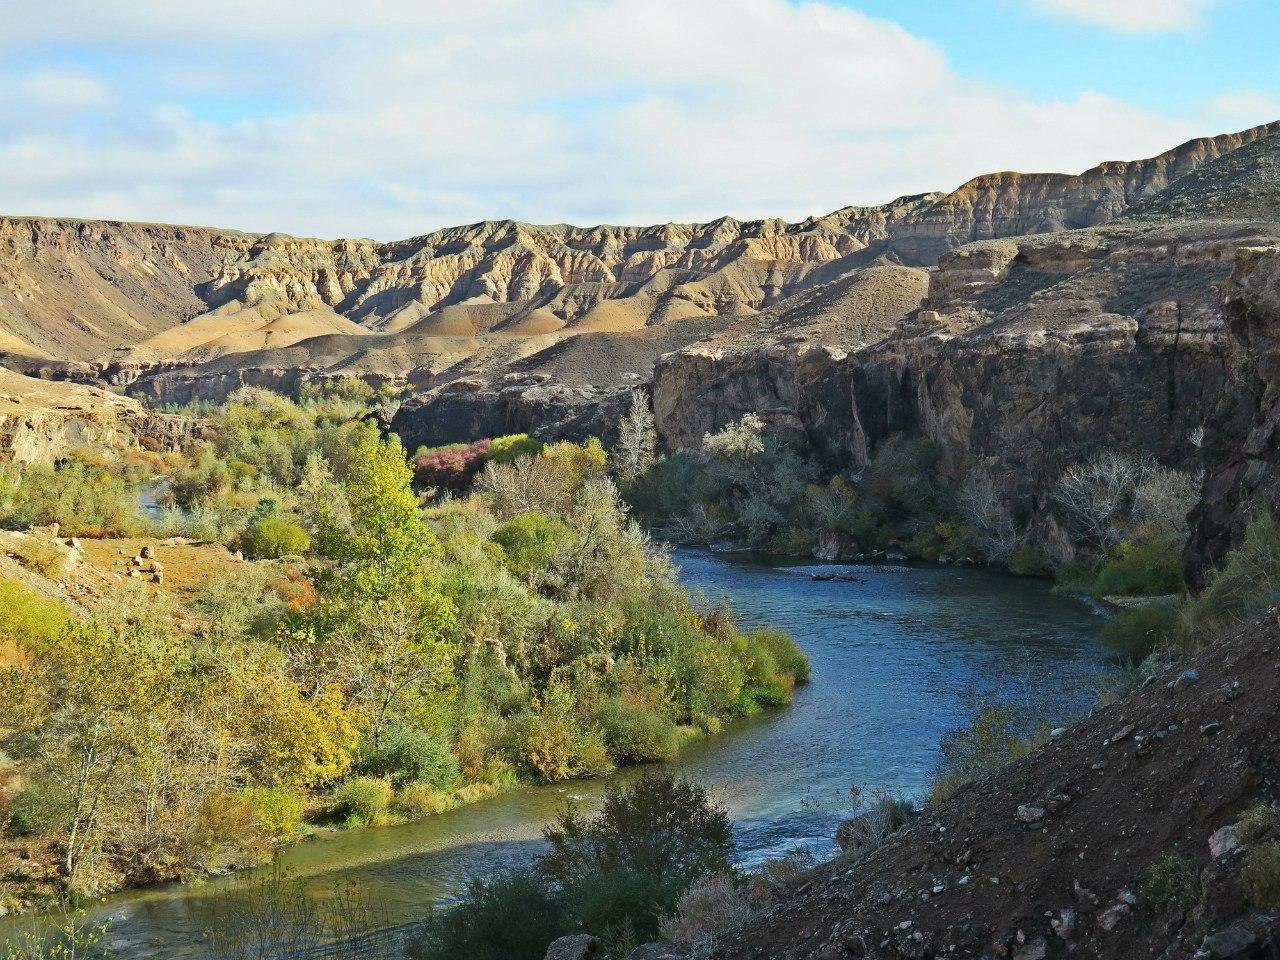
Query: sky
x=390, y=118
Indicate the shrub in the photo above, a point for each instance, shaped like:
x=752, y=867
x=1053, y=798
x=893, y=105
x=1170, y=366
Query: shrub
x=529, y=541
x=971, y=753
x=271, y=538
x=360, y=802
x=1245, y=587
x=1171, y=882
x=547, y=742
x=1255, y=823
x=1026, y=561
x=1141, y=568
x=631, y=863
x=405, y=755
x=777, y=875
x=508, y=917
x=1260, y=876
x=42, y=557
x=636, y=734
x=84, y=499
x=452, y=467
x=278, y=811
x=417, y=801
x=786, y=653
x=39, y=808
x=513, y=447
x=711, y=907
x=1135, y=633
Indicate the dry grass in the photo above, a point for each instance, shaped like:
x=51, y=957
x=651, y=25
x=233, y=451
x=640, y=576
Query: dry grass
x=188, y=567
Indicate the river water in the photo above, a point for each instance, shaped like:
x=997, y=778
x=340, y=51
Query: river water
x=898, y=660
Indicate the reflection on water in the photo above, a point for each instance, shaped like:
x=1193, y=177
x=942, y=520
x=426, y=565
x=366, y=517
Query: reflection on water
x=897, y=662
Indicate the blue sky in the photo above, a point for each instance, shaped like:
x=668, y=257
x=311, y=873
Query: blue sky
x=396, y=117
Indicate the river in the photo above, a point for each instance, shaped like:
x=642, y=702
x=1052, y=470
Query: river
x=898, y=660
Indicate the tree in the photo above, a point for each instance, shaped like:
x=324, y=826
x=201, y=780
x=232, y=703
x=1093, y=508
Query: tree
x=633, y=454
x=380, y=628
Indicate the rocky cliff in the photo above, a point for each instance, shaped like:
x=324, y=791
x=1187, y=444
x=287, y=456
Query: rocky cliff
x=42, y=421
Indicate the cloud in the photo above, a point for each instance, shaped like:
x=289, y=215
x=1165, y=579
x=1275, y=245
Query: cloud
x=329, y=120
x=1133, y=16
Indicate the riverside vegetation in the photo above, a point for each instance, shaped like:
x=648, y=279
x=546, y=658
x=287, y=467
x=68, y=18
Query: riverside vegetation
x=1121, y=518
x=383, y=654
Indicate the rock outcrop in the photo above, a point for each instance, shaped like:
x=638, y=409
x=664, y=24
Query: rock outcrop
x=1244, y=455
x=41, y=421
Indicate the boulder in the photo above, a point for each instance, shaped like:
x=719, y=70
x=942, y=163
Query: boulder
x=580, y=946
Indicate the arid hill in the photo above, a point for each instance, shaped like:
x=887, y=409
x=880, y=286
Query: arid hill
x=193, y=311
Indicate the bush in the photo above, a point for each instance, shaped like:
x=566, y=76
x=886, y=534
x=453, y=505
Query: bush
x=274, y=537
x=417, y=801
x=1170, y=883
x=513, y=447
x=631, y=864
x=509, y=917
x=1260, y=876
x=786, y=653
x=452, y=467
x=711, y=907
x=42, y=557
x=972, y=753
x=547, y=742
x=1255, y=823
x=278, y=811
x=39, y=808
x=1244, y=588
x=1026, y=561
x=360, y=802
x=85, y=499
x=405, y=755
x=529, y=541
x=1135, y=633
x=636, y=734
x=1142, y=568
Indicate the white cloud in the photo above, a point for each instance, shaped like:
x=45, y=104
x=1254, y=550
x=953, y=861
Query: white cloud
x=393, y=118
x=1133, y=16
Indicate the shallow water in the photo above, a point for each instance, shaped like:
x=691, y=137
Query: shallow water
x=898, y=660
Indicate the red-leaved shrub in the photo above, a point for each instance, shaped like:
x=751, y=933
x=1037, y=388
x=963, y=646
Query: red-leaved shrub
x=452, y=467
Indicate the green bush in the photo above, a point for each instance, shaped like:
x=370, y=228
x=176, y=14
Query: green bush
x=1135, y=633
x=84, y=499
x=513, y=447
x=529, y=541
x=405, y=755
x=39, y=808
x=360, y=802
x=1244, y=588
x=1170, y=883
x=271, y=538
x=1255, y=823
x=629, y=865
x=1141, y=568
x=989, y=743
x=1027, y=561
x=278, y=811
x=1260, y=876
x=635, y=734
x=417, y=801
x=786, y=653
x=509, y=917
